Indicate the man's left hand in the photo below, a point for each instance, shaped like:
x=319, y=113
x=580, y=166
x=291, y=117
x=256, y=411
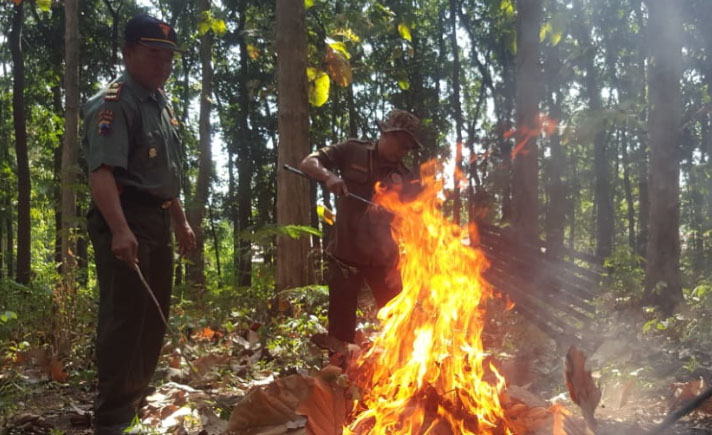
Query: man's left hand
x=186, y=238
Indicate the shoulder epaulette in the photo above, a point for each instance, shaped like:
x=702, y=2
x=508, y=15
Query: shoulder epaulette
x=114, y=91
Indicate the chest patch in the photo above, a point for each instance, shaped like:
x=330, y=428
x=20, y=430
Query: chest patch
x=152, y=153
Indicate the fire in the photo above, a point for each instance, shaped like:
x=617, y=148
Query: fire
x=425, y=373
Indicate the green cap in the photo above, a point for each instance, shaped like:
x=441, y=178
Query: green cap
x=400, y=120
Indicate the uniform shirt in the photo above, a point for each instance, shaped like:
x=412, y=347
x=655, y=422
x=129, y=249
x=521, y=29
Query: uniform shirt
x=363, y=236
x=134, y=131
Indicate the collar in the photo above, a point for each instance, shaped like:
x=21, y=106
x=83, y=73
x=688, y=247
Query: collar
x=139, y=91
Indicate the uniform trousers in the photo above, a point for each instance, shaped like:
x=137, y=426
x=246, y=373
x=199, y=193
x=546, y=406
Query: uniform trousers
x=130, y=331
x=345, y=281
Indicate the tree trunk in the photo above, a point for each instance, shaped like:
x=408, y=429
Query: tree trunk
x=663, y=283
x=71, y=139
x=525, y=175
x=457, y=112
x=196, y=208
x=24, y=186
x=292, y=194
x=602, y=189
x=246, y=141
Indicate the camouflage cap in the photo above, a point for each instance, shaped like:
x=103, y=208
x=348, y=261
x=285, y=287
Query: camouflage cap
x=400, y=120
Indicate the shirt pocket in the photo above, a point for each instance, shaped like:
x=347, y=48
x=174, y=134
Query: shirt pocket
x=355, y=173
x=151, y=150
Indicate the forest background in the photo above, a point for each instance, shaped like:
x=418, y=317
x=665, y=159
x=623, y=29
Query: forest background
x=583, y=123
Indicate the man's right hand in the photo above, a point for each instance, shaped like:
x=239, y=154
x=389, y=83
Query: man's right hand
x=336, y=185
x=125, y=247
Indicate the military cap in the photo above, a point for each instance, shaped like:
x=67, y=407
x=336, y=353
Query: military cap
x=147, y=30
x=400, y=120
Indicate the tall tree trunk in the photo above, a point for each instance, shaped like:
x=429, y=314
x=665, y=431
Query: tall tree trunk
x=24, y=186
x=71, y=139
x=525, y=180
x=602, y=189
x=628, y=189
x=663, y=283
x=457, y=112
x=246, y=141
x=196, y=208
x=292, y=194
x=642, y=154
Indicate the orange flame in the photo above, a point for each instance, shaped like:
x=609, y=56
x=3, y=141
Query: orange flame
x=424, y=373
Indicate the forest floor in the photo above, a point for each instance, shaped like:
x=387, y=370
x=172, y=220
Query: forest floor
x=642, y=378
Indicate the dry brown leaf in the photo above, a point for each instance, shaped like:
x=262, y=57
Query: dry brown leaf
x=338, y=67
x=689, y=390
x=521, y=394
x=206, y=334
x=271, y=405
x=325, y=408
x=559, y=413
x=206, y=363
x=584, y=392
x=625, y=393
x=56, y=371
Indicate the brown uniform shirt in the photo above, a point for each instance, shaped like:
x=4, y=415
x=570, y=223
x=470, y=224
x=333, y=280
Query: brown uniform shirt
x=363, y=236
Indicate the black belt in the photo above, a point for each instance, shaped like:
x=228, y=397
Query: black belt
x=137, y=196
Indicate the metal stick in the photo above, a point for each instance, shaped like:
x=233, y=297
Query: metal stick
x=169, y=327
x=350, y=195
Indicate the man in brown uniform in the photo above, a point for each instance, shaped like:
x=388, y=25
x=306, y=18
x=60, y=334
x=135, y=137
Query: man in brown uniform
x=362, y=249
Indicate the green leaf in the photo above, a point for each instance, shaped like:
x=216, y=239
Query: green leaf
x=339, y=46
x=545, y=30
x=507, y=7
x=218, y=26
x=404, y=31
x=44, y=5
x=203, y=27
x=348, y=34
x=308, y=4
x=319, y=84
x=404, y=84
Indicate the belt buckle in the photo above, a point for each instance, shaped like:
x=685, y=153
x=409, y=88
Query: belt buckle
x=166, y=204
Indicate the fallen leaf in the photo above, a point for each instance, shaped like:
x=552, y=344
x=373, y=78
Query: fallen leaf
x=325, y=408
x=689, y=390
x=56, y=371
x=271, y=405
x=583, y=391
x=559, y=413
x=625, y=393
x=206, y=363
x=206, y=334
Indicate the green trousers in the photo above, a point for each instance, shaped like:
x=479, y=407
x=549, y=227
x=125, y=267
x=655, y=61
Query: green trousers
x=130, y=330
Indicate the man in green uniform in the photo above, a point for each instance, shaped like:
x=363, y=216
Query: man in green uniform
x=362, y=249
x=133, y=153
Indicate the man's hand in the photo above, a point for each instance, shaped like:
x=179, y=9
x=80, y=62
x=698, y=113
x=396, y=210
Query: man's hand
x=186, y=238
x=336, y=185
x=125, y=246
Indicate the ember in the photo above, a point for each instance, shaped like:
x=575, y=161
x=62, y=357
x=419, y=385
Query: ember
x=425, y=373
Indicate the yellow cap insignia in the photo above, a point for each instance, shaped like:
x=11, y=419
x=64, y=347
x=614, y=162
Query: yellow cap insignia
x=152, y=152
x=104, y=123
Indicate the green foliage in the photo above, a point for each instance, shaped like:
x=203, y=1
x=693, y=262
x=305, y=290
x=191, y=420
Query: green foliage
x=319, y=84
x=625, y=272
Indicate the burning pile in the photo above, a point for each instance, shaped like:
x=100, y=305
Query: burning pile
x=425, y=373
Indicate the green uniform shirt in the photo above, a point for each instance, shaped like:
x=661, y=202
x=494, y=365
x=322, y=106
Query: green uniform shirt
x=134, y=131
x=363, y=235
